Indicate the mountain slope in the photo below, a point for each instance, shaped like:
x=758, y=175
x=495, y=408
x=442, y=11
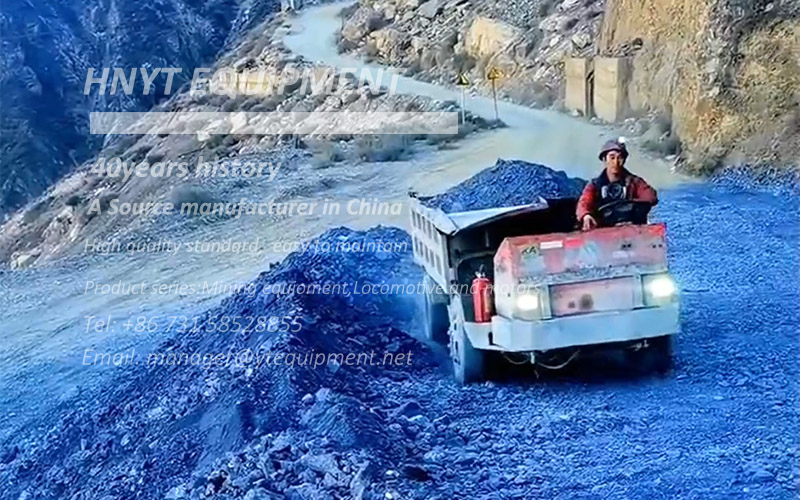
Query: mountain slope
x=48, y=48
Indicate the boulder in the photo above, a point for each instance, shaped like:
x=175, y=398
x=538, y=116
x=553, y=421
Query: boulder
x=23, y=260
x=487, y=36
x=417, y=44
x=524, y=48
x=427, y=60
x=244, y=62
x=568, y=4
x=581, y=40
x=553, y=23
x=408, y=409
x=363, y=22
x=389, y=42
x=306, y=491
x=431, y=8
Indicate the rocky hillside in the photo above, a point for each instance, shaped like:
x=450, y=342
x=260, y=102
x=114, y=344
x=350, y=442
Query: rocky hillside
x=714, y=81
x=725, y=72
x=48, y=48
x=61, y=219
x=526, y=40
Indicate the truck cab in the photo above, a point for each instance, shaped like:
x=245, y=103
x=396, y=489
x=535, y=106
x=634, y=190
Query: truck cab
x=556, y=293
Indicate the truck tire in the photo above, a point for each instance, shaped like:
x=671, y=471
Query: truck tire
x=656, y=357
x=437, y=318
x=468, y=362
x=660, y=354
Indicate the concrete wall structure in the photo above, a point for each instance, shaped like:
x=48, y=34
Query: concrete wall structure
x=578, y=93
x=611, y=78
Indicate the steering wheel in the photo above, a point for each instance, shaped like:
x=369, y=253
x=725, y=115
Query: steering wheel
x=619, y=212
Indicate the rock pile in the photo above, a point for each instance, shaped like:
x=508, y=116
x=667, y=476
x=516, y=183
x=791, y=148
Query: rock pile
x=380, y=432
x=301, y=430
x=508, y=183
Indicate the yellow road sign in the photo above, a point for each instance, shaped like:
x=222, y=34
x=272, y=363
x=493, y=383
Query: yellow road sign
x=494, y=74
x=462, y=80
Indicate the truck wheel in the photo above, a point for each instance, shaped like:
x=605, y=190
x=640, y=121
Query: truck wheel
x=467, y=361
x=657, y=357
x=437, y=318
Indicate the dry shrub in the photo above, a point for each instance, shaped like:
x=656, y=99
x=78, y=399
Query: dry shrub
x=383, y=148
x=325, y=154
x=184, y=194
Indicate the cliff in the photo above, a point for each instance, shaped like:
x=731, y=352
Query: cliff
x=727, y=72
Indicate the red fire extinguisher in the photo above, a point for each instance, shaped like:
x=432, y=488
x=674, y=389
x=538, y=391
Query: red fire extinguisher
x=482, y=297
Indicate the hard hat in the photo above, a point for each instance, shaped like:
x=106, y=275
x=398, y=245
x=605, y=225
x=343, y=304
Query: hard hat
x=614, y=145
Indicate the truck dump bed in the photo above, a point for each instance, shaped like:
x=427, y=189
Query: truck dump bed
x=432, y=229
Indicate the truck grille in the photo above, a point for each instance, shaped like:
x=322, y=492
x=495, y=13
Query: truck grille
x=592, y=296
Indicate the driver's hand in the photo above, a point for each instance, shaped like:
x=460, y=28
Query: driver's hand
x=589, y=222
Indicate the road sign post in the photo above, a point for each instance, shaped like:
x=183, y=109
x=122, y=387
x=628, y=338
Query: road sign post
x=494, y=75
x=463, y=82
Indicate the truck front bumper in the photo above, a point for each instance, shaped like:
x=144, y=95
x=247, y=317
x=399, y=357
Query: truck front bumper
x=512, y=335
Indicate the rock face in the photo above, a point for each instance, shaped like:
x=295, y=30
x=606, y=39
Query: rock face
x=726, y=71
x=526, y=39
x=486, y=37
x=49, y=47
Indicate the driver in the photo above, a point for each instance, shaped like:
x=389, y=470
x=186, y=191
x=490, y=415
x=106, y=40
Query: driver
x=615, y=182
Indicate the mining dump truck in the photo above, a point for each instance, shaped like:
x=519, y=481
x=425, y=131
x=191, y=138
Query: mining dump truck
x=521, y=282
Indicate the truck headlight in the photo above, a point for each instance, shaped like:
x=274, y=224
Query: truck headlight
x=528, y=304
x=659, y=289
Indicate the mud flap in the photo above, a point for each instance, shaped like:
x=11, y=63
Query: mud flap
x=655, y=358
x=468, y=362
x=437, y=318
